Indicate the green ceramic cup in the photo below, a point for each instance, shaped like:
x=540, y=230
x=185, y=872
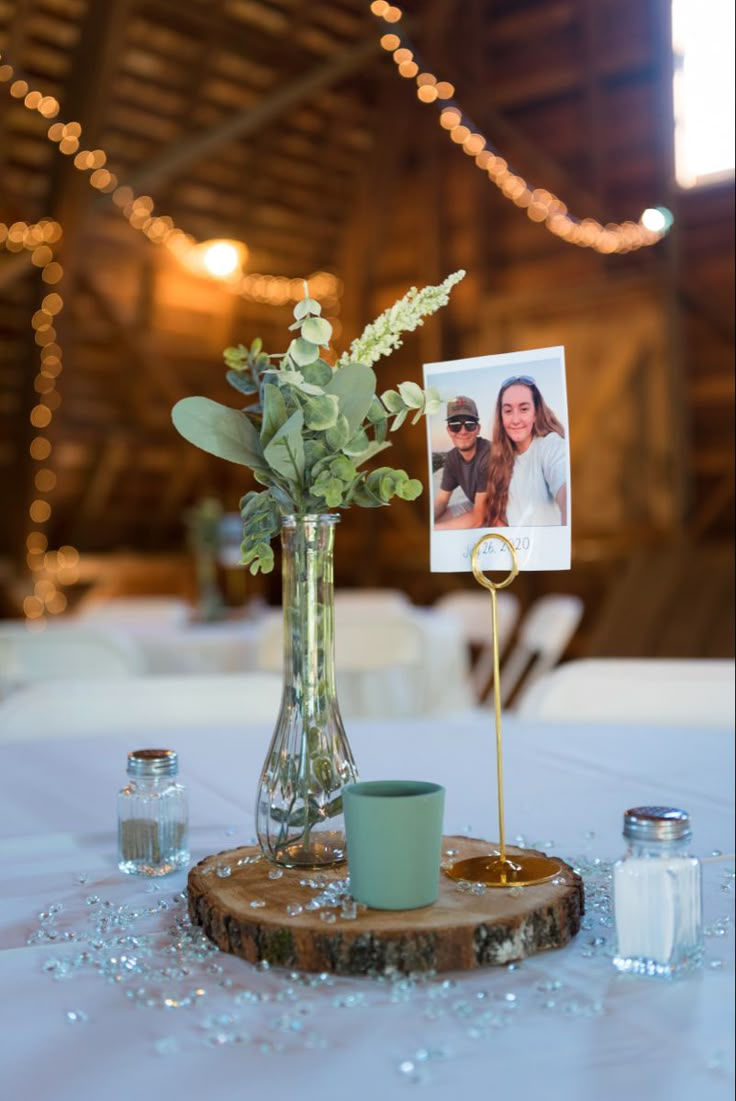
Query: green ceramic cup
x=394, y=842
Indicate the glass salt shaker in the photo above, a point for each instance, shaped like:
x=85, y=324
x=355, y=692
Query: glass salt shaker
x=152, y=815
x=657, y=895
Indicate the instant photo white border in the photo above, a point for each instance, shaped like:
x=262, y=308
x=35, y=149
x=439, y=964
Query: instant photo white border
x=537, y=548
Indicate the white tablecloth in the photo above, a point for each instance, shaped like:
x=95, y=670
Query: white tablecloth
x=561, y=1025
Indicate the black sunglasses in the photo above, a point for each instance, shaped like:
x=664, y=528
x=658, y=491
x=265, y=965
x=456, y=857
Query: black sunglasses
x=527, y=380
x=468, y=423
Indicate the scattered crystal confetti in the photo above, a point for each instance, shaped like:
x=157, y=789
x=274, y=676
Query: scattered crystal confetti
x=293, y=909
x=76, y=1016
x=224, y=870
x=151, y=953
x=167, y=1045
x=276, y=873
x=257, y=903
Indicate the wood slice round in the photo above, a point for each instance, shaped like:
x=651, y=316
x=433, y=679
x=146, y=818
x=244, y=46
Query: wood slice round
x=460, y=931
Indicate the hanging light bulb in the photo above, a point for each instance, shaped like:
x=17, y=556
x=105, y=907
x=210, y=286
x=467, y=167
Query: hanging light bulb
x=658, y=219
x=223, y=258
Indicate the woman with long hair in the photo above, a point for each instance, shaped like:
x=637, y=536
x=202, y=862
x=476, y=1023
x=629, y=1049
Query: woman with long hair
x=527, y=470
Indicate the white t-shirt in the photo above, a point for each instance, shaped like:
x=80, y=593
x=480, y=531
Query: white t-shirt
x=539, y=474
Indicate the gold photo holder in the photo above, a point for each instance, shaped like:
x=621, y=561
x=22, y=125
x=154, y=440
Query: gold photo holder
x=496, y=869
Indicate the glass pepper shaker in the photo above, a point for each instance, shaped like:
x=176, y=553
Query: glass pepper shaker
x=152, y=815
x=657, y=895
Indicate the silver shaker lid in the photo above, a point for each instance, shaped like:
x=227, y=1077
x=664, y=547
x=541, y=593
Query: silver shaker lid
x=153, y=762
x=657, y=824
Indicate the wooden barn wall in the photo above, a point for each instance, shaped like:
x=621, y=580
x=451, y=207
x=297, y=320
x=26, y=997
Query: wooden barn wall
x=358, y=178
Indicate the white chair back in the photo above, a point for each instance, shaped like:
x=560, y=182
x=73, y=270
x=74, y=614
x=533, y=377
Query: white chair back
x=677, y=692
x=385, y=665
x=473, y=609
x=371, y=602
x=137, y=610
x=363, y=641
x=544, y=635
x=63, y=651
x=139, y=707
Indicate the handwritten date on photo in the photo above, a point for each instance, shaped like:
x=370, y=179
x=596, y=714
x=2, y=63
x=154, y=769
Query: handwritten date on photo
x=491, y=548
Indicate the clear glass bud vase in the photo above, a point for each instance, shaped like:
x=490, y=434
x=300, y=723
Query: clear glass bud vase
x=299, y=815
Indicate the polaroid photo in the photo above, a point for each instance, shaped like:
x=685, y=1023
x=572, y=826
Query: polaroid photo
x=499, y=461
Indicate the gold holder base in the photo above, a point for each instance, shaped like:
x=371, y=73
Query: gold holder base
x=495, y=870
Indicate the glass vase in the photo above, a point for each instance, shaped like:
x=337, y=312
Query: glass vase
x=299, y=809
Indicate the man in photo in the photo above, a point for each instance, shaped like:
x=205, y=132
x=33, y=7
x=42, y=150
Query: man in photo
x=466, y=464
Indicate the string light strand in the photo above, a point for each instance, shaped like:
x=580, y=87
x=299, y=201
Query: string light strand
x=541, y=206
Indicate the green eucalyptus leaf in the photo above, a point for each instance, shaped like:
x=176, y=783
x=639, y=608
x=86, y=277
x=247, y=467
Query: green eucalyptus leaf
x=286, y=503
x=343, y=468
x=295, y=379
x=432, y=401
x=241, y=382
x=357, y=444
x=219, y=430
x=258, y=557
x=256, y=346
x=387, y=486
x=314, y=452
x=322, y=412
x=274, y=413
x=317, y=330
x=236, y=358
x=318, y=373
x=376, y=413
x=305, y=307
x=355, y=385
x=399, y=419
x=374, y=447
x=364, y=496
x=332, y=489
x=381, y=431
x=303, y=351
x=285, y=452
x=392, y=401
x=338, y=436
x=410, y=489
x=412, y=394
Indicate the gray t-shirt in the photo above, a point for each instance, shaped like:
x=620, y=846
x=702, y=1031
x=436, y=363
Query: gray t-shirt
x=471, y=476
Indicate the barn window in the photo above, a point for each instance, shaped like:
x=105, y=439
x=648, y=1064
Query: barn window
x=703, y=90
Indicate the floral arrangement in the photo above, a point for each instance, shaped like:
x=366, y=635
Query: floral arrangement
x=312, y=426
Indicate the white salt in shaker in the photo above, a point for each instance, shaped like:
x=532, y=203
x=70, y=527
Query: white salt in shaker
x=152, y=815
x=657, y=895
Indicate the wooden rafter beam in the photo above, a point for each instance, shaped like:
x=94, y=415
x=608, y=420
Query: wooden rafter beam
x=247, y=122
x=12, y=49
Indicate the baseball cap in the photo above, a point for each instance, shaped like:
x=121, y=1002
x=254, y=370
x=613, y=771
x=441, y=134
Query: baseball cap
x=462, y=407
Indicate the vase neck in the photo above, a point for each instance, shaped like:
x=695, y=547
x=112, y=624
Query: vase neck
x=309, y=609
